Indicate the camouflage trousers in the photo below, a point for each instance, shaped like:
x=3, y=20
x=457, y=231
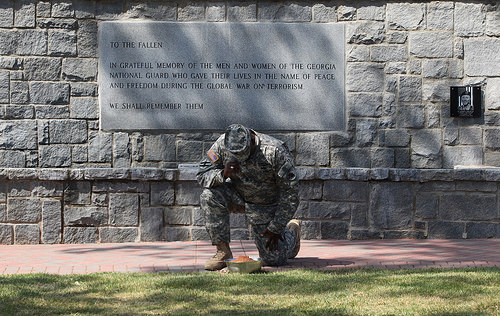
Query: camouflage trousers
x=218, y=202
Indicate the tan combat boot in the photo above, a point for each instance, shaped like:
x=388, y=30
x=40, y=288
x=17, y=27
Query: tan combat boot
x=294, y=227
x=217, y=261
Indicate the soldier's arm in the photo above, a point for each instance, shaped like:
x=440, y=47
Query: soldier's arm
x=211, y=168
x=287, y=181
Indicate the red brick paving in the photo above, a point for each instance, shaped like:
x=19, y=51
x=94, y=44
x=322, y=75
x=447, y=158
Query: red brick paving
x=190, y=256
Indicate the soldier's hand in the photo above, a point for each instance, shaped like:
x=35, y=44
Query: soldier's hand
x=232, y=167
x=272, y=240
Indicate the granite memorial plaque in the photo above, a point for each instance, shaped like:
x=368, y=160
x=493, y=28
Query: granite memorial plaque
x=185, y=76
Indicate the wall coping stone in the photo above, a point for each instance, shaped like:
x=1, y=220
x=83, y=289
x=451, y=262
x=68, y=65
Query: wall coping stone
x=187, y=172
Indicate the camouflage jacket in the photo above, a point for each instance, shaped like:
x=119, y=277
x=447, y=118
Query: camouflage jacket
x=268, y=178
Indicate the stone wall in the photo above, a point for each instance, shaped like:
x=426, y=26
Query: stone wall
x=60, y=170
x=132, y=205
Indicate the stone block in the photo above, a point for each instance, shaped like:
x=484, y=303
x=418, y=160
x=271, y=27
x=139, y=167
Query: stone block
x=3, y=213
x=406, y=16
x=427, y=205
x=4, y=87
x=85, y=216
x=177, y=233
x=462, y=155
x=87, y=38
x=51, y=222
x=357, y=53
x=24, y=210
x=438, y=91
x=334, y=230
x=120, y=187
x=392, y=68
x=426, y=148
x=366, y=132
x=389, y=53
x=61, y=43
x=391, y=205
x=7, y=14
x=68, y=131
x=84, y=108
x=397, y=37
x=482, y=230
x=198, y=217
x=19, y=112
x=12, y=159
x=81, y=235
x=118, y=234
x=359, y=215
x=365, y=77
x=19, y=134
x=178, y=216
x=329, y=210
x=26, y=234
x=340, y=139
x=346, y=13
x=493, y=23
x=162, y=193
x=445, y=230
x=310, y=230
x=6, y=231
x=49, y=92
x=191, y=11
x=199, y=234
x=215, y=12
x=19, y=92
x=440, y=15
x=152, y=224
x=492, y=94
x=242, y=12
x=340, y=190
x=64, y=24
x=435, y=68
x=240, y=234
x=324, y=12
x=375, y=12
x=410, y=89
x=366, y=33
x=363, y=234
x=187, y=193
x=123, y=209
x=189, y=151
x=313, y=149
x=159, y=148
x=382, y=157
x=492, y=139
x=62, y=9
x=481, y=57
x=79, y=69
x=26, y=42
x=352, y=157
x=121, y=150
x=42, y=68
x=469, y=19
x=100, y=147
x=431, y=44
x=310, y=190
x=468, y=206
x=396, y=137
x=108, y=174
x=19, y=189
x=476, y=186
x=284, y=12
x=84, y=89
x=364, y=104
x=47, y=189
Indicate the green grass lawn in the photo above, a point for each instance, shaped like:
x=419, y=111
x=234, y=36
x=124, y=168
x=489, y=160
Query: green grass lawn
x=296, y=292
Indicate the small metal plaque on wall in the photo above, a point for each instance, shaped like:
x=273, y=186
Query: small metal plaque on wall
x=465, y=101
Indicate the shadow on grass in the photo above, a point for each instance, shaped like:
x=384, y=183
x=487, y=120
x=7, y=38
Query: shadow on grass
x=312, y=292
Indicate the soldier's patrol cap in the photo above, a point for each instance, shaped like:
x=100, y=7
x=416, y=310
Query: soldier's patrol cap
x=237, y=141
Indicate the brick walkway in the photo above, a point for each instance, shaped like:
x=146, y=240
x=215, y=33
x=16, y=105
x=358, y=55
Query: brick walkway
x=190, y=256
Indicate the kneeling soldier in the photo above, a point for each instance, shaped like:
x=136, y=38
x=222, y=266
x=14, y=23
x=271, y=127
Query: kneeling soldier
x=254, y=171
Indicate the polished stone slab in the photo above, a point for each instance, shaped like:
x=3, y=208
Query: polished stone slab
x=205, y=76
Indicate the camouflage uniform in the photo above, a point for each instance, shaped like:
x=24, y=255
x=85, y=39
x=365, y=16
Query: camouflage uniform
x=266, y=187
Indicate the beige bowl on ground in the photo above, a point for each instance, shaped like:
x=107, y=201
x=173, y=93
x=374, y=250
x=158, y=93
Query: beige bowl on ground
x=244, y=267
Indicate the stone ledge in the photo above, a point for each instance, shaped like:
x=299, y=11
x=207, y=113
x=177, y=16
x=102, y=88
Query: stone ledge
x=187, y=172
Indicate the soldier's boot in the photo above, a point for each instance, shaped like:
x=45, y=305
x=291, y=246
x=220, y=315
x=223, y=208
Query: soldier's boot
x=294, y=227
x=217, y=261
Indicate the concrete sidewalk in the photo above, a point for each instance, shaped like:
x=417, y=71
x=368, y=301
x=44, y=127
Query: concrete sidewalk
x=190, y=256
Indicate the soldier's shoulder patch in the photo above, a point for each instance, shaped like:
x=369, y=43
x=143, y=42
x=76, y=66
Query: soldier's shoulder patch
x=213, y=156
